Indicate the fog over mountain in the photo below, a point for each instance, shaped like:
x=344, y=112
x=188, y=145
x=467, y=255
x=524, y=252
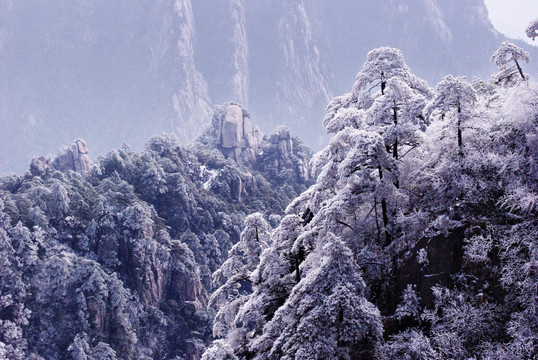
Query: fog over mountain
x=121, y=71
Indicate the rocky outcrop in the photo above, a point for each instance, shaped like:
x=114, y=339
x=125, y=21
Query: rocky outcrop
x=194, y=349
x=236, y=137
x=239, y=140
x=442, y=257
x=279, y=154
x=40, y=165
x=432, y=261
x=281, y=141
x=74, y=158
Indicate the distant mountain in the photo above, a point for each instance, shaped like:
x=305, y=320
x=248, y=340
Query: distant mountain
x=114, y=72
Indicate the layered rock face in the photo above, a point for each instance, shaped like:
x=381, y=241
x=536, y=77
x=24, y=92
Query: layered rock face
x=280, y=157
x=278, y=152
x=281, y=141
x=40, y=165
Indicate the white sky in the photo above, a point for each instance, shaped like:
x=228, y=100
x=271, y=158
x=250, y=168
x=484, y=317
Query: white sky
x=511, y=17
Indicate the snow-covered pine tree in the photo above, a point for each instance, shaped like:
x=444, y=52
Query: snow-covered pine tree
x=219, y=350
x=389, y=100
x=233, y=278
x=532, y=29
x=452, y=103
x=326, y=315
x=273, y=281
x=507, y=58
x=392, y=96
x=14, y=314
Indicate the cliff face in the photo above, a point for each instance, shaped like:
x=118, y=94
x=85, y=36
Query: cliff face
x=121, y=72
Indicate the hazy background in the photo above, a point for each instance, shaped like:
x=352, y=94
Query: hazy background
x=118, y=72
x=512, y=17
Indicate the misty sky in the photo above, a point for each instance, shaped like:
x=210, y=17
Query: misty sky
x=512, y=17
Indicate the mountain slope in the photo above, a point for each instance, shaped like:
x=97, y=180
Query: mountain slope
x=117, y=258
x=121, y=72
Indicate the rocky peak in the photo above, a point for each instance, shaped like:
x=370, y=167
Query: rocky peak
x=74, y=158
x=280, y=141
x=236, y=137
x=278, y=152
x=280, y=157
x=40, y=165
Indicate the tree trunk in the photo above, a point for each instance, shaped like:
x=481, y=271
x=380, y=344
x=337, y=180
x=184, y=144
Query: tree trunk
x=376, y=218
x=384, y=212
x=395, y=120
x=460, y=140
x=383, y=84
x=519, y=69
x=395, y=145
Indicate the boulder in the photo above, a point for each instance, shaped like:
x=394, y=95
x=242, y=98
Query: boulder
x=236, y=186
x=274, y=138
x=194, y=349
x=444, y=254
x=247, y=156
x=251, y=136
x=303, y=170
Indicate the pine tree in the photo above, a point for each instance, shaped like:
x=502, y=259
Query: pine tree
x=507, y=58
x=233, y=279
x=532, y=29
x=452, y=103
x=326, y=315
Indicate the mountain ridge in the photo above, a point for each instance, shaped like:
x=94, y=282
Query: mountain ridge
x=115, y=73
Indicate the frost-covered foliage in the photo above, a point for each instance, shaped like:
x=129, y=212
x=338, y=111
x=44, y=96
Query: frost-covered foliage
x=409, y=306
x=418, y=238
x=532, y=29
x=219, y=350
x=117, y=263
x=490, y=191
x=232, y=280
x=326, y=314
x=507, y=58
x=410, y=345
x=452, y=104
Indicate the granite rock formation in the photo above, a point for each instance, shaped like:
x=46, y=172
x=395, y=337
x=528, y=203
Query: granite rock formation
x=40, y=165
x=234, y=135
x=237, y=138
x=280, y=153
x=74, y=158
